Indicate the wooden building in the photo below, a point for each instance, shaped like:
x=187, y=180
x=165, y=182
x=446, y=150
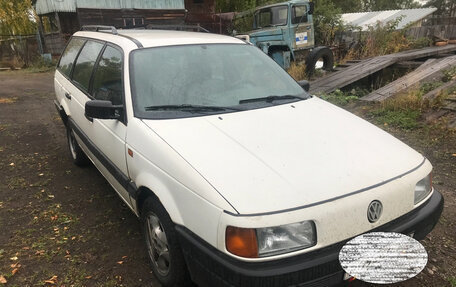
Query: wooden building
x=59, y=19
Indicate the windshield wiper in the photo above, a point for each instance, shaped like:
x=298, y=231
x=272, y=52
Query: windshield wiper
x=190, y=108
x=272, y=98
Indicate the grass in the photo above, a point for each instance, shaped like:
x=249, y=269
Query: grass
x=403, y=111
x=297, y=71
x=452, y=281
x=342, y=98
x=449, y=74
x=405, y=119
x=41, y=66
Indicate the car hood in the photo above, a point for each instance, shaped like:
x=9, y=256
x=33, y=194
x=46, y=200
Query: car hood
x=287, y=156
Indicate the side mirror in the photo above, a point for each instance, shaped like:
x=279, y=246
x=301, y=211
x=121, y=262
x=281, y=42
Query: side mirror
x=311, y=8
x=305, y=85
x=98, y=109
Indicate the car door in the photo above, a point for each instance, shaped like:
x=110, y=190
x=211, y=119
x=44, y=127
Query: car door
x=98, y=72
x=303, y=29
x=109, y=135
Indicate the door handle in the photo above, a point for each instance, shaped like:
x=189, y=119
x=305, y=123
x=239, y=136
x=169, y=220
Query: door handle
x=68, y=96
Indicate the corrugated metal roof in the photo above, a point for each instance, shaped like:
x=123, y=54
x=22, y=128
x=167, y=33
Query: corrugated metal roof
x=366, y=19
x=48, y=6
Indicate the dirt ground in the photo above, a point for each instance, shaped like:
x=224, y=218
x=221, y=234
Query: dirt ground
x=61, y=225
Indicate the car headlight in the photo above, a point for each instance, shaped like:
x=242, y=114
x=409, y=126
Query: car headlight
x=268, y=241
x=423, y=188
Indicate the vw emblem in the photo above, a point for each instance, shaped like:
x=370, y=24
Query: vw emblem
x=374, y=211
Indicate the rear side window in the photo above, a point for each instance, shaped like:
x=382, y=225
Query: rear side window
x=68, y=56
x=85, y=62
x=107, y=79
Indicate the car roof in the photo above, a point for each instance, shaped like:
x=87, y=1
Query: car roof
x=157, y=38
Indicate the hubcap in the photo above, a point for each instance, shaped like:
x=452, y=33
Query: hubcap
x=72, y=143
x=157, y=244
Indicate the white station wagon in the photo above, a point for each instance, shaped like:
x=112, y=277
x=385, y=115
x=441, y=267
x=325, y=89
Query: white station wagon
x=239, y=176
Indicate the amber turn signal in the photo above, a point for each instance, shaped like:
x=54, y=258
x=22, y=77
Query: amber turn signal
x=241, y=241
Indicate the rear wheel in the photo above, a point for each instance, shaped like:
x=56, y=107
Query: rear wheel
x=79, y=157
x=162, y=244
x=319, y=58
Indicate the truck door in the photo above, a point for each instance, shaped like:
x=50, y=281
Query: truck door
x=303, y=28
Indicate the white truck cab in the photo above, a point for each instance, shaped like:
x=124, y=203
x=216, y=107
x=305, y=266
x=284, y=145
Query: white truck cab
x=239, y=176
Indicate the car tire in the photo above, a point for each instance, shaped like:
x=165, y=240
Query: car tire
x=78, y=156
x=163, y=248
x=320, y=53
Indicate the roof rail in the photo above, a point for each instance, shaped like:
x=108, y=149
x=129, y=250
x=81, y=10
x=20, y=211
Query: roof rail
x=97, y=28
x=194, y=28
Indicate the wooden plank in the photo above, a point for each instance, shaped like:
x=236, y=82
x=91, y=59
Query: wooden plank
x=367, y=67
x=411, y=79
x=436, y=92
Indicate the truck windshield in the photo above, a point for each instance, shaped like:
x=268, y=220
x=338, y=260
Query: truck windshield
x=271, y=16
x=189, y=80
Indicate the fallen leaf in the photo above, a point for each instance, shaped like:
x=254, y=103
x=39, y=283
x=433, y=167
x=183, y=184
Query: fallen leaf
x=41, y=174
x=454, y=154
x=14, y=258
x=2, y=280
x=123, y=257
x=88, y=277
x=119, y=262
x=50, y=195
x=14, y=271
x=51, y=280
x=12, y=164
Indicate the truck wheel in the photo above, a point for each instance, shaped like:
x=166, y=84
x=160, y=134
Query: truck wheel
x=320, y=54
x=162, y=244
x=79, y=157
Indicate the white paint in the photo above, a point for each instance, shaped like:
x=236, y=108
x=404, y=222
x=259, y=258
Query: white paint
x=383, y=257
x=301, y=38
x=261, y=160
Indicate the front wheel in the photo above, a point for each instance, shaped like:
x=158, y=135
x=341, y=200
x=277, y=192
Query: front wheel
x=162, y=244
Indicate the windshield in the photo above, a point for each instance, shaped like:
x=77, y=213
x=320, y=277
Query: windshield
x=189, y=80
x=272, y=16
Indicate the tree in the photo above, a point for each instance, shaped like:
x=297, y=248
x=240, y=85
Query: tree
x=17, y=17
x=444, y=7
x=348, y=6
x=379, y=5
x=327, y=21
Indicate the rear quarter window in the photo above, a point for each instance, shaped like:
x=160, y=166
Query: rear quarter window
x=69, y=55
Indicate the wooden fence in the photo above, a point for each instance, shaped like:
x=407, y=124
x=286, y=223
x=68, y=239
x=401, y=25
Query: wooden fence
x=431, y=32
x=18, y=51
x=439, y=31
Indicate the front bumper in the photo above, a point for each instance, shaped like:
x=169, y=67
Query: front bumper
x=210, y=267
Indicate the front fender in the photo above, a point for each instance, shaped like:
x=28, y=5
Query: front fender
x=183, y=206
